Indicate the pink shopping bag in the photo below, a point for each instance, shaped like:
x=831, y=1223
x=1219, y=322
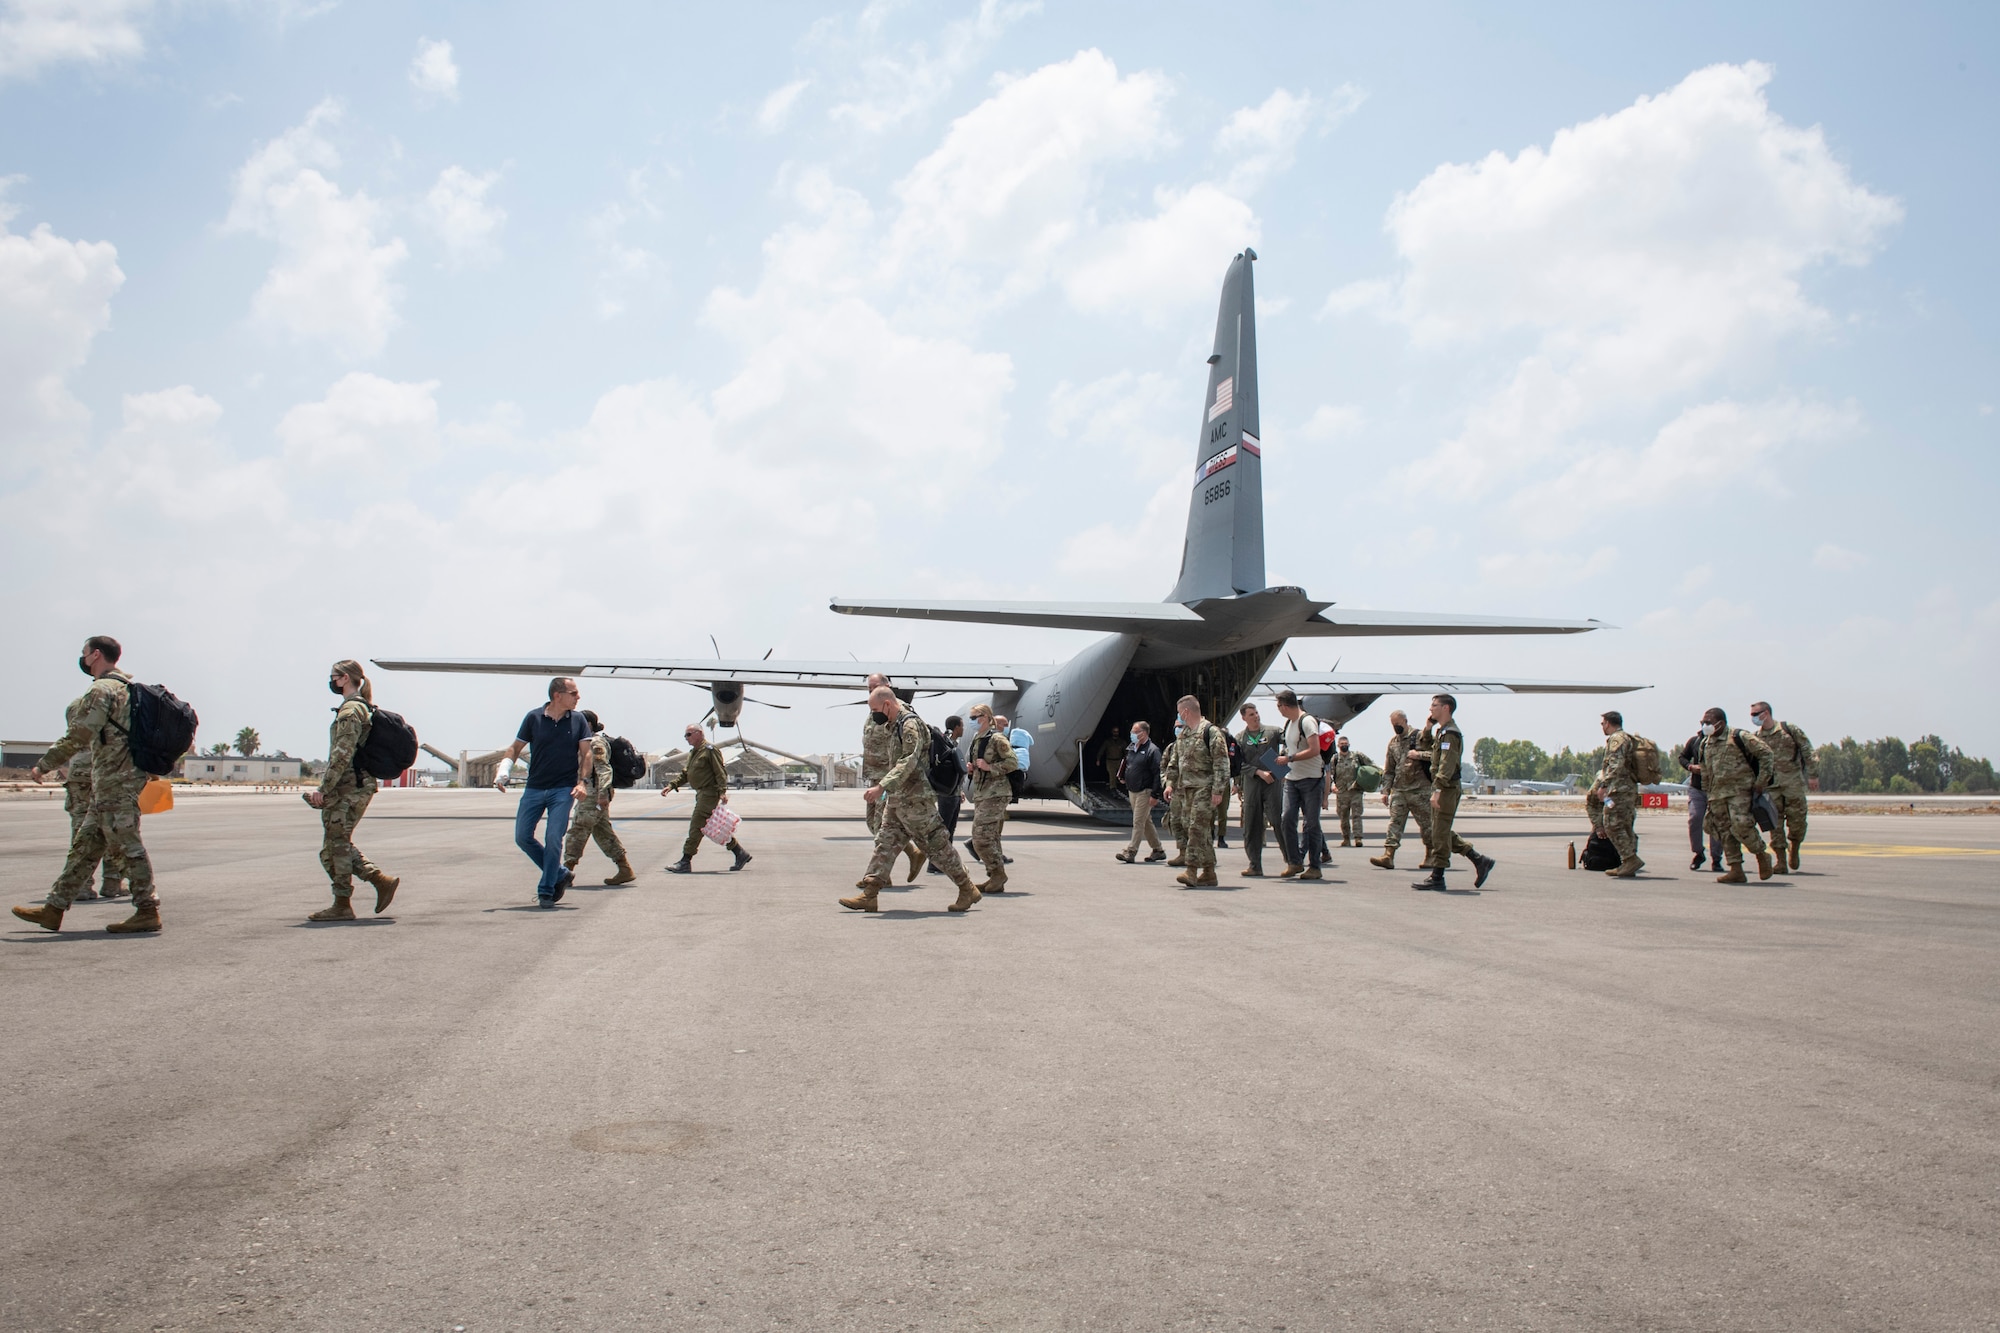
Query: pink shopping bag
x=721, y=825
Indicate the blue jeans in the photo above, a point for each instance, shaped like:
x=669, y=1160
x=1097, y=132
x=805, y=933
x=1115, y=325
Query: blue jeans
x=555, y=801
x=1302, y=798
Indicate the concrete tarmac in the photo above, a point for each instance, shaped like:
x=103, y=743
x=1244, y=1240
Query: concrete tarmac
x=722, y=1102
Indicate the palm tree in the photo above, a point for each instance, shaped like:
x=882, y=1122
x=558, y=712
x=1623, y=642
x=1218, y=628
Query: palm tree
x=220, y=747
x=247, y=741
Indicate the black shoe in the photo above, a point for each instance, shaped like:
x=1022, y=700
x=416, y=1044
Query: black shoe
x=1696, y=863
x=680, y=867
x=1436, y=881
x=1484, y=865
x=544, y=900
x=562, y=886
x=1221, y=845
x=742, y=859
x=1006, y=860
x=968, y=848
x=932, y=869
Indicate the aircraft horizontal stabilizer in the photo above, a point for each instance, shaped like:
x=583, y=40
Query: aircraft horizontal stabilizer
x=1334, y=623
x=1350, y=682
x=850, y=675
x=1104, y=617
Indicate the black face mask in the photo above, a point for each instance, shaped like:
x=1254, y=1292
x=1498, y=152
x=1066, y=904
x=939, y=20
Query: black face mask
x=877, y=716
x=83, y=666
x=1400, y=728
x=335, y=688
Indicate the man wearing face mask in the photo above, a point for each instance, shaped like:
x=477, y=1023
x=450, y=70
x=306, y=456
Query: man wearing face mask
x=112, y=832
x=1406, y=777
x=1347, y=793
x=1793, y=765
x=909, y=809
x=1176, y=805
x=1139, y=775
x=1735, y=767
x=875, y=745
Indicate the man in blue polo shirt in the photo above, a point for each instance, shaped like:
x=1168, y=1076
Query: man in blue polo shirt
x=557, y=739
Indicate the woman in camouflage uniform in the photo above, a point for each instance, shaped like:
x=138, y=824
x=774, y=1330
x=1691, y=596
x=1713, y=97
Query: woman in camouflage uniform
x=343, y=797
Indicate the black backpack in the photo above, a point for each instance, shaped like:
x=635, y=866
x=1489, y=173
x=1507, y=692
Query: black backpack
x=1235, y=756
x=162, y=728
x=389, y=748
x=627, y=764
x=944, y=769
x=1017, y=778
x=1599, y=854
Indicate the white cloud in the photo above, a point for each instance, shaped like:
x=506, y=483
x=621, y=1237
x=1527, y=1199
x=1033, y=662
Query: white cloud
x=1158, y=266
x=1643, y=253
x=895, y=83
x=1838, y=559
x=456, y=211
x=1259, y=142
x=776, y=108
x=39, y=33
x=1129, y=411
x=433, y=73
x=1541, y=569
x=55, y=297
x=625, y=268
x=168, y=458
x=1331, y=421
x=332, y=281
x=366, y=425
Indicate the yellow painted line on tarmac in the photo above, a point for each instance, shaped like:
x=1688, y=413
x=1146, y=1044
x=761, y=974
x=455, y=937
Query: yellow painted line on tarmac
x=1890, y=849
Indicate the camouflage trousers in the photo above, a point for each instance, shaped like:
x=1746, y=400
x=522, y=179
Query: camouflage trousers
x=587, y=820
x=1444, y=843
x=1177, y=821
x=109, y=833
x=704, y=806
x=1730, y=820
x=1616, y=816
x=914, y=819
x=1349, y=804
x=874, y=813
x=76, y=800
x=1789, y=795
x=1142, y=823
x=989, y=818
x=1199, y=844
x=1411, y=804
x=337, y=852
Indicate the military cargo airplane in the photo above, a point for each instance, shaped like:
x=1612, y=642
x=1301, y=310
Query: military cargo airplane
x=1215, y=636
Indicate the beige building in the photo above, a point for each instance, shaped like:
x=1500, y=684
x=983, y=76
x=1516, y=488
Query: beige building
x=240, y=768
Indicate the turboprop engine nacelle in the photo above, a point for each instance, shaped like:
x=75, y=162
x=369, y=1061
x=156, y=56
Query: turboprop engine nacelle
x=728, y=699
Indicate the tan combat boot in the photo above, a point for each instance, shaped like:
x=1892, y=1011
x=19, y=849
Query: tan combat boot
x=625, y=874
x=342, y=910
x=1796, y=844
x=143, y=921
x=968, y=894
x=917, y=858
x=45, y=916
x=1310, y=873
x=865, y=901
x=1764, y=867
x=1626, y=869
x=1387, y=860
x=114, y=889
x=1734, y=876
x=1208, y=880
x=1178, y=859
x=385, y=890
x=1292, y=871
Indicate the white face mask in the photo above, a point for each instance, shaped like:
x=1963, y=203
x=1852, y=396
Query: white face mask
x=1708, y=728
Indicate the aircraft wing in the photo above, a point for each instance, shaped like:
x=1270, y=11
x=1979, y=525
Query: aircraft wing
x=1336, y=623
x=1351, y=682
x=1107, y=617
x=704, y=671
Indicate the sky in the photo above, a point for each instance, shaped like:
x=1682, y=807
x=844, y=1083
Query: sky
x=365, y=329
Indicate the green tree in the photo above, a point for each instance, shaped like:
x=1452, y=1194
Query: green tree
x=247, y=741
x=220, y=747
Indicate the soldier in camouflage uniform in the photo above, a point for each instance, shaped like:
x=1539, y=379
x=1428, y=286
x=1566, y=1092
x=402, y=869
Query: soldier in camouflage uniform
x=993, y=759
x=709, y=777
x=1794, y=766
x=1447, y=761
x=1616, y=793
x=1198, y=777
x=591, y=817
x=875, y=745
x=1176, y=806
x=76, y=801
x=111, y=833
x=1735, y=766
x=343, y=796
x=909, y=808
x=1347, y=793
x=1406, y=779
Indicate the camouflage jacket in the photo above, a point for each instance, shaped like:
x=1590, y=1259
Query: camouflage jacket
x=1617, y=773
x=877, y=744
x=1791, y=753
x=1405, y=759
x=909, y=757
x=1199, y=761
x=79, y=764
x=1725, y=771
x=598, y=780
x=994, y=747
x=1346, y=768
x=99, y=727
x=351, y=720
x=1447, y=756
x=705, y=772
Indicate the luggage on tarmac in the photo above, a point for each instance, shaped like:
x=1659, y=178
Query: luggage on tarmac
x=1599, y=854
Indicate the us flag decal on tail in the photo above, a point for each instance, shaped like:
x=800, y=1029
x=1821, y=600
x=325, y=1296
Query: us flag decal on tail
x=1225, y=397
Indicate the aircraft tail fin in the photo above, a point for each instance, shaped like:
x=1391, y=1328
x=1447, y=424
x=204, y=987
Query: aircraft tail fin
x=1224, y=552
